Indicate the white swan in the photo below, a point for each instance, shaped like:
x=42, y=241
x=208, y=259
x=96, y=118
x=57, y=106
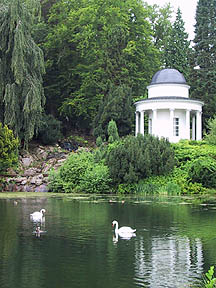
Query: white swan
x=38, y=215
x=124, y=232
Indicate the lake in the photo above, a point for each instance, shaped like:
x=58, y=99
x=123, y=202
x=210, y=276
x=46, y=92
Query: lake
x=174, y=244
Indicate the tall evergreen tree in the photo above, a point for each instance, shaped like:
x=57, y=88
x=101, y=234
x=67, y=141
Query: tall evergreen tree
x=177, y=50
x=21, y=68
x=204, y=78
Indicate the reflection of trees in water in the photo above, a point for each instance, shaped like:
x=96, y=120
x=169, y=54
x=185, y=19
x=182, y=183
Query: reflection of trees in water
x=8, y=241
x=169, y=261
x=17, y=245
x=7, y=229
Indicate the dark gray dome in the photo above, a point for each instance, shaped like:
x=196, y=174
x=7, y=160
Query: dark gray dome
x=168, y=76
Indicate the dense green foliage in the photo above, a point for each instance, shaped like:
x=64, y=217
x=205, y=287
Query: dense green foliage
x=117, y=106
x=203, y=79
x=203, y=170
x=210, y=138
x=80, y=173
x=139, y=157
x=21, y=68
x=121, y=162
x=8, y=148
x=100, y=56
x=177, y=51
x=160, y=19
x=143, y=165
x=192, y=158
x=112, y=132
x=93, y=46
x=50, y=130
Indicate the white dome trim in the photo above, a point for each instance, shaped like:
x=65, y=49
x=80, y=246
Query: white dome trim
x=168, y=89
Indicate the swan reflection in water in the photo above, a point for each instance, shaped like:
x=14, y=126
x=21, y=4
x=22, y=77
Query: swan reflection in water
x=38, y=217
x=116, y=235
x=124, y=232
x=38, y=232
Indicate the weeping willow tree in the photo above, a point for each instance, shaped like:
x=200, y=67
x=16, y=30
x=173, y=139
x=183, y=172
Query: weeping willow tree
x=21, y=68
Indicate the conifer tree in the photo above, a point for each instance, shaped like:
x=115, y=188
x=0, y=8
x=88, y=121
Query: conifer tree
x=116, y=106
x=177, y=50
x=204, y=78
x=21, y=68
x=112, y=131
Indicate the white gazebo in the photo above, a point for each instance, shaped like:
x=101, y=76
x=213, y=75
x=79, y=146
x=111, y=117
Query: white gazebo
x=168, y=111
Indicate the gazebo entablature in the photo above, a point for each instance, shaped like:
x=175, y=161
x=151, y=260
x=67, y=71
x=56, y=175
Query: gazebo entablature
x=173, y=119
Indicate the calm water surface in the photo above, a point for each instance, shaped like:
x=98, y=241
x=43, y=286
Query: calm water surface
x=174, y=244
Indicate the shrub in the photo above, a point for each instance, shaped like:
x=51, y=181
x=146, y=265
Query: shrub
x=135, y=158
x=123, y=189
x=8, y=148
x=203, y=170
x=50, y=130
x=191, y=150
x=80, y=173
x=96, y=179
x=69, y=174
x=173, y=189
x=211, y=136
x=147, y=188
x=99, y=141
x=112, y=131
x=176, y=182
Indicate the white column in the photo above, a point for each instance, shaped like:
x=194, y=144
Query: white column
x=198, y=126
x=187, y=124
x=142, y=122
x=171, y=134
x=137, y=123
x=154, y=122
x=193, y=128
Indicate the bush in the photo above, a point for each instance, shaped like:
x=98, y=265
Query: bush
x=112, y=131
x=203, y=170
x=69, y=174
x=211, y=136
x=99, y=141
x=8, y=148
x=80, y=173
x=176, y=182
x=191, y=150
x=96, y=179
x=50, y=130
x=136, y=158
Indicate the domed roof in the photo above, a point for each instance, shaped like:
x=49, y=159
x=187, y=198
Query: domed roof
x=168, y=76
